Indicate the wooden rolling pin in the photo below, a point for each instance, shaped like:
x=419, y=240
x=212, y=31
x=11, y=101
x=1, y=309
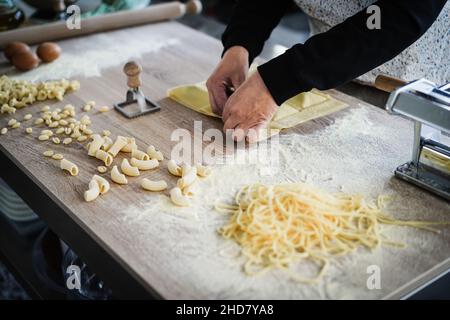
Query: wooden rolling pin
x=123, y=19
x=388, y=83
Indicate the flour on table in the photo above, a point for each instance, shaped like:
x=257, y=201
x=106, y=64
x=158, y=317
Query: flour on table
x=355, y=154
x=90, y=55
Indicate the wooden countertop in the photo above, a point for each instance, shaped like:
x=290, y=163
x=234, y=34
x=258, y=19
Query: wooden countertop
x=147, y=256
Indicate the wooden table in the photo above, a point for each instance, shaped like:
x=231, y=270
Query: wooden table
x=133, y=262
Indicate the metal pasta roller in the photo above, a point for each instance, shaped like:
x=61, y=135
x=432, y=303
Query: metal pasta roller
x=136, y=104
x=429, y=107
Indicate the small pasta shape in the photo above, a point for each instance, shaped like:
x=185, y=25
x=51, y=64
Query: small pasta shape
x=69, y=166
x=60, y=130
x=56, y=140
x=190, y=190
x=12, y=122
x=57, y=156
x=103, y=184
x=15, y=125
x=48, y=153
x=151, y=151
x=47, y=132
x=130, y=146
x=188, y=178
x=144, y=164
x=28, y=116
x=102, y=169
x=128, y=169
x=153, y=185
x=104, y=156
x=173, y=168
x=82, y=138
x=104, y=109
x=4, y=131
x=38, y=121
x=96, y=143
x=203, y=171
x=87, y=108
x=43, y=137
x=178, y=198
x=93, y=192
x=118, y=177
x=117, y=146
x=29, y=130
x=140, y=155
x=106, y=133
x=107, y=143
x=67, y=141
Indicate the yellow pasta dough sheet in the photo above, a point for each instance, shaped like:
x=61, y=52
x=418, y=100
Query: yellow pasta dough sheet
x=301, y=108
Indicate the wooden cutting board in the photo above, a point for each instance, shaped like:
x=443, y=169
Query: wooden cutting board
x=174, y=253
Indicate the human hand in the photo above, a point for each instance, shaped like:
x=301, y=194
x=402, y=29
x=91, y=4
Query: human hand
x=249, y=109
x=229, y=74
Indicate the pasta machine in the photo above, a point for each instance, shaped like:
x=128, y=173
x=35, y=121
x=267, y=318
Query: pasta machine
x=429, y=107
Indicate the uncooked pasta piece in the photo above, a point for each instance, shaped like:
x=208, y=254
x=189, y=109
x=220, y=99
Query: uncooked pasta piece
x=104, y=156
x=140, y=155
x=56, y=140
x=96, y=143
x=29, y=130
x=117, y=146
x=144, y=164
x=93, y=192
x=4, y=131
x=102, y=169
x=178, y=198
x=57, y=156
x=48, y=153
x=43, y=137
x=173, y=168
x=128, y=169
x=67, y=141
x=118, y=177
x=15, y=125
x=69, y=166
x=102, y=183
x=27, y=116
x=104, y=109
x=203, y=171
x=188, y=178
x=153, y=185
x=154, y=154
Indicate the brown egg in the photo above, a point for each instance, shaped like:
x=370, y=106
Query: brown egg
x=15, y=47
x=26, y=60
x=48, y=51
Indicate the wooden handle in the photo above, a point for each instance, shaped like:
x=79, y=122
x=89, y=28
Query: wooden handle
x=133, y=71
x=388, y=83
x=111, y=21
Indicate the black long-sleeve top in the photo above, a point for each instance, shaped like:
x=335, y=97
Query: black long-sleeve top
x=332, y=58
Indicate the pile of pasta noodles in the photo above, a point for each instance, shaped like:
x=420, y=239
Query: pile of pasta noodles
x=16, y=94
x=279, y=225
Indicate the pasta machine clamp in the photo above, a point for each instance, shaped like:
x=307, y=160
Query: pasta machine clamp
x=134, y=94
x=429, y=107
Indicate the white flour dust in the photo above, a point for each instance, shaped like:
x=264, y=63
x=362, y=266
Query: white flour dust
x=89, y=55
x=355, y=154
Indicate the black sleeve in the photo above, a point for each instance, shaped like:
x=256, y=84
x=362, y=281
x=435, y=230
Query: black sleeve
x=252, y=23
x=339, y=55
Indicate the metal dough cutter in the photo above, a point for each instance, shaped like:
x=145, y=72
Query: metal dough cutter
x=136, y=103
x=429, y=107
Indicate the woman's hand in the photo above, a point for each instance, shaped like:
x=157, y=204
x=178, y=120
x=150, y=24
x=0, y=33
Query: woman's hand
x=249, y=109
x=228, y=76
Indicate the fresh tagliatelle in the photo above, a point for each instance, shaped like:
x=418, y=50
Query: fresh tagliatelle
x=277, y=226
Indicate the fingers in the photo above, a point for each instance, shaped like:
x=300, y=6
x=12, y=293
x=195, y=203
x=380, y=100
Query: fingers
x=217, y=97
